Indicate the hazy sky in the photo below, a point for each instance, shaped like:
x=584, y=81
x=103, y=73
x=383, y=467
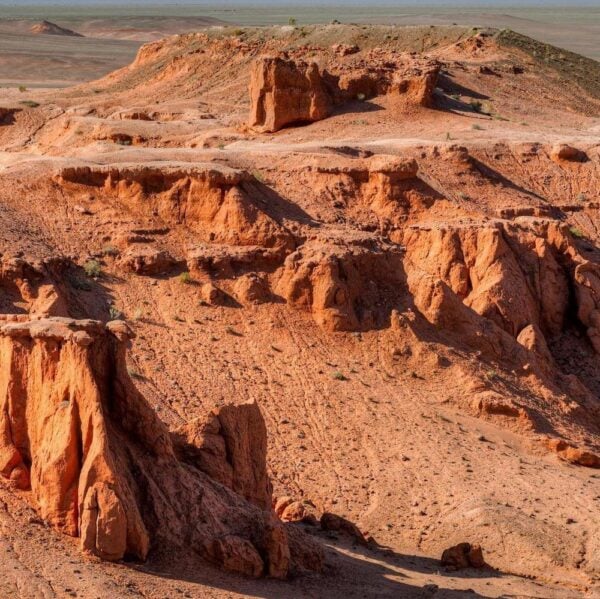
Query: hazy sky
x=220, y=3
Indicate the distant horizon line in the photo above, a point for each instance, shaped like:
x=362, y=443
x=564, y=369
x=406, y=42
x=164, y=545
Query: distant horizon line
x=306, y=3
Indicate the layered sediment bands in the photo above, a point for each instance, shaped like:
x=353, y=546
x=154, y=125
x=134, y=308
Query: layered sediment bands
x=346, y=283
x=102, y=466
x=386, y=186
x=220, y=202
x=405, y=81
x=286, y=92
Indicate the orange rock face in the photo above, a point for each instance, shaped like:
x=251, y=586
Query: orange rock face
x=340, y=281
x=230, y=445
x=284, y=92
x=102, y=466
x=217, y=201
x=516, y=276
x=33, y=285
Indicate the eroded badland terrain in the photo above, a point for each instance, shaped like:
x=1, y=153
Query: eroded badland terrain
x=289, y=312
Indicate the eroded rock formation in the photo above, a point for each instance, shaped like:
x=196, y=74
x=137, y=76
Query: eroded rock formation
x=344, y=283
x=463, y=555
x=518, y=276
x=230, y=445
x=101, y=466
x=286, y=92
x=32, y=287
x=218, y=201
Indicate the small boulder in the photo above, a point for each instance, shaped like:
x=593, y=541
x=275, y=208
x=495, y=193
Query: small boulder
x=212, y=295
x=236, y=554
x=252, y=289
x=147, y=261
x=564, y=152
x=337, y=523
x=345, y=49
x=280, y=503
x=463, y=555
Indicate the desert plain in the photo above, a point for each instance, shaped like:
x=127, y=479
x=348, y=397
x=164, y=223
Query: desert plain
x=298, y=311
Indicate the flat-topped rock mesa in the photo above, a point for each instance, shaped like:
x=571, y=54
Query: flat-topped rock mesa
x=285, y=92
x=101, y=466
x=220, y=202
x=48, y=28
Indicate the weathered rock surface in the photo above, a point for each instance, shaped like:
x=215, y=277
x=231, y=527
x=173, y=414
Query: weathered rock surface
x=230, y=445
x=146, y=261
x=34, y=287
x=337, y=523
x=230, y=260
x=218, y=201
x=103, y=467
x=517, y=276
x=286, y=92
x=344, y=283
x=565, y=152
x=573, y=455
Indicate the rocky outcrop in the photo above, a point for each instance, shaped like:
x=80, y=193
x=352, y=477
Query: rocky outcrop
x=101, y=466
x=290, y=510
x=220, y=202
x=346, y=283
x=567, y=153
x=385, y=184
x=33, y=287
x=48, y=28
x=572, y=454
x=230, y=445
x=7, y=115
x=252, y=288
x=517, y=276
x=286, y=92
x=404, y=80
x=333, y=522
x=146, y=261
x=221, y=260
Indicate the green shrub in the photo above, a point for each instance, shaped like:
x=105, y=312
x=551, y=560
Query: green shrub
x=186, y=278
x=115, y=313
x=577, y=232
x=92, y=268
x=476, y=105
